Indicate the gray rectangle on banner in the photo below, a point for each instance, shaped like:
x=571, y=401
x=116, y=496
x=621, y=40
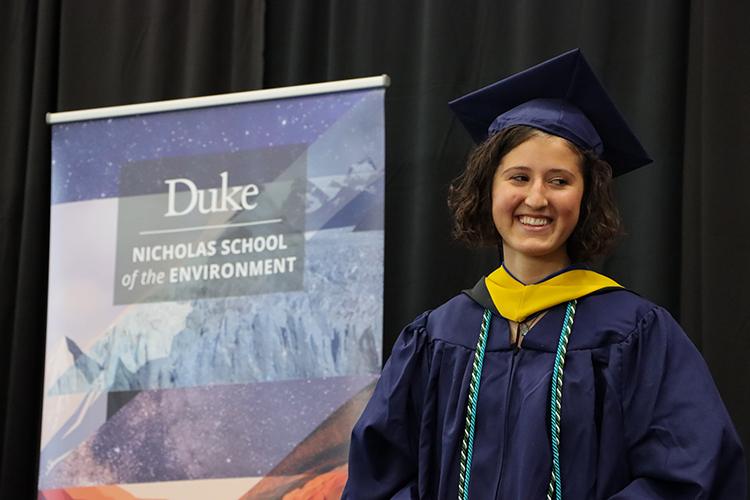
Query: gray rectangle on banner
x=211, y=226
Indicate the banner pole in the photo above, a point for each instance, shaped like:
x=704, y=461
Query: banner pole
x=372, y=82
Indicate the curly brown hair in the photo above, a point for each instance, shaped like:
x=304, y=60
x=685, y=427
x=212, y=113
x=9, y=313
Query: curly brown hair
x=470, y=198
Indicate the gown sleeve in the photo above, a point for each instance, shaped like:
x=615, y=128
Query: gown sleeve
x=681, y=441
x=383, y=450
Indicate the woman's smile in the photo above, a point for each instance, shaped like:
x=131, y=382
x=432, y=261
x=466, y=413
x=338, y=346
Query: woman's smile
x=534, y=222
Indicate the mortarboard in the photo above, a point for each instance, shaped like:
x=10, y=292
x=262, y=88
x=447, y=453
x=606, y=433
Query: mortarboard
x=560, y=96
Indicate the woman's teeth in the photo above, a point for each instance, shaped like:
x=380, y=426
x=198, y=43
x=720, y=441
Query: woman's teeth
x=534, y=221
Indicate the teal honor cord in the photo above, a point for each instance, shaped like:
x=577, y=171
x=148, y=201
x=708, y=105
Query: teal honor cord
x=467, y=444
x=554, y=491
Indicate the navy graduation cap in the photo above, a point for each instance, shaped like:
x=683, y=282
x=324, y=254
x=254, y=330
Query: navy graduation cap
x=560, y=96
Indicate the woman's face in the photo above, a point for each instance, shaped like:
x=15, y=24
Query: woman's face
x=536, y=198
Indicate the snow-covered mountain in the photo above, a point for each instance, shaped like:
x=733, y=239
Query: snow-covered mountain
x=332, y=328
x=345, y=200
x=143, y=334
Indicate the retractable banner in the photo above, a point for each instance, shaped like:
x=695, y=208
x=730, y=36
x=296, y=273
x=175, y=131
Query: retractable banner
x=215, y=294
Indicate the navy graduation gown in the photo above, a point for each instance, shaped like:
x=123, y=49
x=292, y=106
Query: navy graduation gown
x=641, y=416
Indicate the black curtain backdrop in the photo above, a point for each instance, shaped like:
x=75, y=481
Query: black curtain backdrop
x=679, y=71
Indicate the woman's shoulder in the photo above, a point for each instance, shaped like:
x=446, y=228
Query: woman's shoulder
x=451, y=322
x=620, y=306
x=614, y=316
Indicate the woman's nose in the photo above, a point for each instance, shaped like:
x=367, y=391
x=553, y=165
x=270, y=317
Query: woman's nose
x=535, y=197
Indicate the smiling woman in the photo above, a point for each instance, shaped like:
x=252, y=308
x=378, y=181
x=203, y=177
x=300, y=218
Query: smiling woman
x=546, y=379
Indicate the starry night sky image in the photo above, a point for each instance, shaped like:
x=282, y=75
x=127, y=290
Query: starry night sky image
x=87, y=156
x=204, y=432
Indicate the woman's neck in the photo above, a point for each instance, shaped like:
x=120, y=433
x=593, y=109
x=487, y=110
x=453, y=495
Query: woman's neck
x=531, y=270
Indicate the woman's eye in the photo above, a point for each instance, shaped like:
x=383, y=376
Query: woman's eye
x=519, y=178
x=559, y=181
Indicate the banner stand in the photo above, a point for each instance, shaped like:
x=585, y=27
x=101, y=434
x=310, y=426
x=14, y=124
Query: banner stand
x=215, y=302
